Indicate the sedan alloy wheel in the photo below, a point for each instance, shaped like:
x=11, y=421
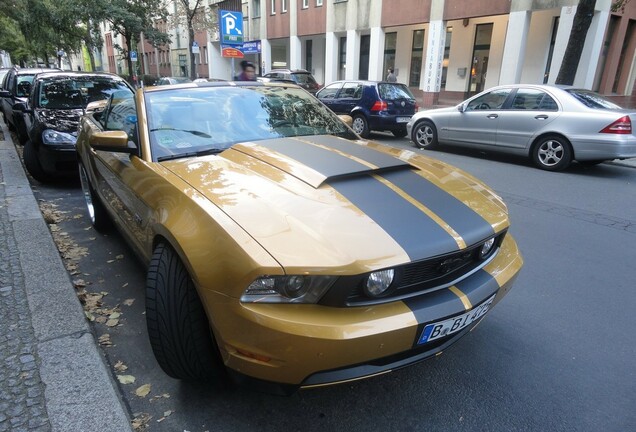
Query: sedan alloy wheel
x=552, y=153
x=425, y=135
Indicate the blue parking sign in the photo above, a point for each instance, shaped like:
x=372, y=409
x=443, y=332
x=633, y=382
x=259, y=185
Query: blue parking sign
x=231, y=27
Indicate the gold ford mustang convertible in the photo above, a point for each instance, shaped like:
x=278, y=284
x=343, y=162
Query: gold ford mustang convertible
x=283, y=249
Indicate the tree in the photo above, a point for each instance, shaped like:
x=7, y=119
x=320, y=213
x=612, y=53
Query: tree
x=131, y=18
x=194, y=19
x=580, y=26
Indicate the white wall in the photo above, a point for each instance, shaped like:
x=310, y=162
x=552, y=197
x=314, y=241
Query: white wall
x=538, y=46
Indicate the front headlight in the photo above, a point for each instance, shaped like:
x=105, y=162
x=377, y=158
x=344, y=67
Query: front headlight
x=53, y=137
x=287, y=289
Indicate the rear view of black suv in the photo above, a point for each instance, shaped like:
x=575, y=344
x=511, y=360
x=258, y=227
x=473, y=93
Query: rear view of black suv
x=373, y=105
x=51, y=117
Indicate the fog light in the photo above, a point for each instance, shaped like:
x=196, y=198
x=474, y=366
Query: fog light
x=379, y=282
x=486, y=248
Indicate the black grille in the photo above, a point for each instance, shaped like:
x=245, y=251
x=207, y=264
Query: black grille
x=412, y=279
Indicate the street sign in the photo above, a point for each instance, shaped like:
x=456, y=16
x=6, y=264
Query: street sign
x=231, y=27
x=133, y=56
x=253, y=47
x=195, y=47
x=231, y=52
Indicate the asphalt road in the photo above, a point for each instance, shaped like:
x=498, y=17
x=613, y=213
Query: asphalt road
x=557, y=354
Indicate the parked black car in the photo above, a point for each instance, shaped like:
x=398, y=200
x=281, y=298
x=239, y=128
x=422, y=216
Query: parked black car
x=16, y=87
x=373, y=105
x=298, y=76
x=51, y=117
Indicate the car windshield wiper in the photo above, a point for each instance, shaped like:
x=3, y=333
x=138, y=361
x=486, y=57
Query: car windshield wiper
x=189, y=154
x=193, y=132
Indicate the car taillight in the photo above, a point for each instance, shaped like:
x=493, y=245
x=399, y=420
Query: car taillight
x=380, y=106
x=621, y=126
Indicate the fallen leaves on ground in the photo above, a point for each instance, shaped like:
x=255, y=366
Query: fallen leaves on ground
x=165, y=414
x=126, y=379
x=143, y=391
x=161, y=396
x=120, y=366
x=104, y=340
x=140, y=422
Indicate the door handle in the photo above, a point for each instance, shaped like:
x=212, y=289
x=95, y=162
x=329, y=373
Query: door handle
x=541, y=117
x=492, y=116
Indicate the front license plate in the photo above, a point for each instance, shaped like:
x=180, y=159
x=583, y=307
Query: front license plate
x=453, y=325
x=403, y=119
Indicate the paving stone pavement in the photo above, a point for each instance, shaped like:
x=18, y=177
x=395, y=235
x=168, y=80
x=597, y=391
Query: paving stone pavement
x=53, y=376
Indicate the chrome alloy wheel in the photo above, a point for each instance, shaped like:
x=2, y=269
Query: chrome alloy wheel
x=86, y=189
x=550, y=153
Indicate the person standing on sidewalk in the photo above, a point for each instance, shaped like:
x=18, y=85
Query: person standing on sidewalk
x=391, y=76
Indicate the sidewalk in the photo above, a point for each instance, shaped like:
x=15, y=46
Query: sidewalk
x=52, y=374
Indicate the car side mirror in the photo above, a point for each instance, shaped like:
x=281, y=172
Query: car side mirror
x=97, y=106
x=461, y=107
x=347, y=119
x=113, y=141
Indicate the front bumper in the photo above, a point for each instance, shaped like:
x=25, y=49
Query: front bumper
x=58, y=160
x=290, y=346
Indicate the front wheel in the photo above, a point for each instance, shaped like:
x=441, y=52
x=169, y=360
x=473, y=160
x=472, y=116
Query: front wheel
x=424, y=135
x=178, y=327
x=552, y=153
x=360, y=125
x=32, y=163
x=96, y=211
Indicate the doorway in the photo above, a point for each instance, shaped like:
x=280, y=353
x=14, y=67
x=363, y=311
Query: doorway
x=481, y=52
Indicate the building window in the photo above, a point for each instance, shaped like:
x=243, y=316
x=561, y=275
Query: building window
x=273, y=11
x=318, y=3
x=308, y=55
x=342, y=59
x=256, y=9
x=339, y=1
x=305, y=4
x=365, y=49
x=555, y=28
x=283, y=6
x=390, y=42
x=417, y=51
x=447, y=44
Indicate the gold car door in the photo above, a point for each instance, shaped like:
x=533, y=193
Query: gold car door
x=121, y=175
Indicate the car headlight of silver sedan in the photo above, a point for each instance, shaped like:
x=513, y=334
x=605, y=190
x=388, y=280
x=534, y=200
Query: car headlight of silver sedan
x=53, y=137
x=287, y=289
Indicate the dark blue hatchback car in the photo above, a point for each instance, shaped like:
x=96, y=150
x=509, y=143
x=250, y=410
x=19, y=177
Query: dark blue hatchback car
x=374, y=105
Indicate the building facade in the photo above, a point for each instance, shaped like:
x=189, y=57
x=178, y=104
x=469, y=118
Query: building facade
x=444, y=50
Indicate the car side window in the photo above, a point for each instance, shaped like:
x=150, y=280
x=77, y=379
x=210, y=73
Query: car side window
x=490, y=101
x=350, y=91
x=330, y=91
x=121, y=114
x=531, y=99
x=548, y=103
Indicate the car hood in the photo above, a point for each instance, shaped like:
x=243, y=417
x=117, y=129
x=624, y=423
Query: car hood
x=330, y=203
x=63, y=120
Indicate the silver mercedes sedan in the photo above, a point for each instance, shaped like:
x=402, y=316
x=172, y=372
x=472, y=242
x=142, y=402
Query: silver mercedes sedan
x=551, y=125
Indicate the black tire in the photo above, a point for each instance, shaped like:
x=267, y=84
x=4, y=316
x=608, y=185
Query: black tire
x=96, y=211
x=178, y=327
x=32, y=163
x=552, y=153
x=399, y=133
x=360, y=125
x=20, y=131
x=424, y=135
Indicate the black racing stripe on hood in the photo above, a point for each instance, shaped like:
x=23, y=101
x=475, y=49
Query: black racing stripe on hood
x=478, y=287
x=419, y=235
x=328, y=163
x=464, y=220
x=368, y=154
x=336, y=163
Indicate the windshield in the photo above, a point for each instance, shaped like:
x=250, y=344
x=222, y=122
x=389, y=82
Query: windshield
x=187, y=122
x=592, y=100
x=71, y=92
x=303, y=78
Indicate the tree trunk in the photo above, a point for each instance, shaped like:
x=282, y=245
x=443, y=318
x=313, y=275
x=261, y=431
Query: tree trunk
x=193, y=72
x=572, y=56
